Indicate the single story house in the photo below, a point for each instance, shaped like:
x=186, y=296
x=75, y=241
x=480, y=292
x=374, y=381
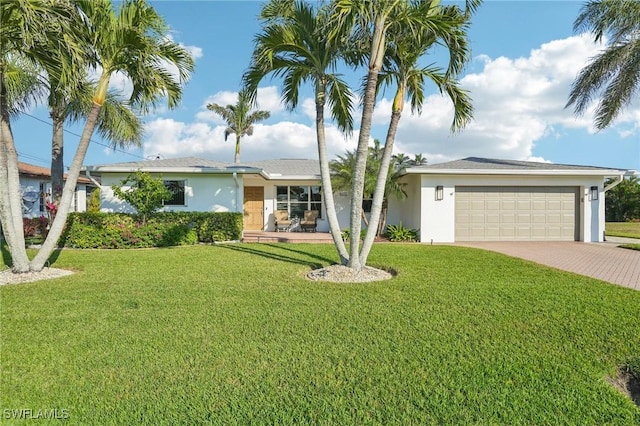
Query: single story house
x=35, y=184
x=465, y=200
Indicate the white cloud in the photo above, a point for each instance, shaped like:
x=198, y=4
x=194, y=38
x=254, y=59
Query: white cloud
x=170, y=138
x=516, y=101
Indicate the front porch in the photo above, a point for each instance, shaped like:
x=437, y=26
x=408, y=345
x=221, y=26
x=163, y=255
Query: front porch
x=286, y=237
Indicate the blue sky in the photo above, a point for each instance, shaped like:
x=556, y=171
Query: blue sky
x=525, y=57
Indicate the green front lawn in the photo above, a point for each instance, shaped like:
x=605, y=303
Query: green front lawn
x=623, y=229
x=234, y=334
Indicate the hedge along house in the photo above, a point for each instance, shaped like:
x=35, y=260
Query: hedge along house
x=256, y=189
x=479, y=199
x=465, y=200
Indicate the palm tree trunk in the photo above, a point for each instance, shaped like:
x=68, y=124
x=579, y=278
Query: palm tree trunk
x=237, y=156
x=57, y=159
x=59, y=222
x=375, y=64
x=378, y=195
x=327, y=188
x=10, y=194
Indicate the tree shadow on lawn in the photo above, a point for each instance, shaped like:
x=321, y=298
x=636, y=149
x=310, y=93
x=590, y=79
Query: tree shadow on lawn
x=281, y=257
x=8, y=260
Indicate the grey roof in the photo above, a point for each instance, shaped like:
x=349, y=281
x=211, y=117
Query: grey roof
x=489, y=164
x=169, y=162
x=288, y=167
x=276, y=169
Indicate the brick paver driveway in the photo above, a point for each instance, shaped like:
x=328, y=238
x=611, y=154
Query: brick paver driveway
x=604, y=261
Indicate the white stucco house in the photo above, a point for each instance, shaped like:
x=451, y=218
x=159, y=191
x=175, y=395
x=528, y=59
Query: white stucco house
x=35, y=185
x=465, y=200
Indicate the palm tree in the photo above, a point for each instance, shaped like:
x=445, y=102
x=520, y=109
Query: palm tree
x=419, y=160
x=25, y=28
x=239, y=118
x=374, y=21
x=133, y=41
x=613, y=74
x=402, y=69
x=294, y=44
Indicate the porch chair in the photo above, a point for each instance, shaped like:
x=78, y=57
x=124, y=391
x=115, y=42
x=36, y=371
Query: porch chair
x=310, y=220
x=281, y=220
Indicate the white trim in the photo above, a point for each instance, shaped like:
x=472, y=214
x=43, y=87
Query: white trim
x=547, y=172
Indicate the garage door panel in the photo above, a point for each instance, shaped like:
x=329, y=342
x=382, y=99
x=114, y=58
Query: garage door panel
x=553, y=218
x=493, y=218
x=516, y=213
x=507, y=218
x=539, y=218
x=524, y=218
x=493, y=205
x=523, y=205
x=539, y=205
x=508, y=204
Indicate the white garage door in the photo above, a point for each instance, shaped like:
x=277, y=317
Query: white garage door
x=516, y=213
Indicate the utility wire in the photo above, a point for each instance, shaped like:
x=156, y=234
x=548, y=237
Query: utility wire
x=92, y=141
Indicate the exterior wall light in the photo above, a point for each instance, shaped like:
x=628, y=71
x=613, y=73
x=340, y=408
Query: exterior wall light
x=439, y=192
x=593, y=193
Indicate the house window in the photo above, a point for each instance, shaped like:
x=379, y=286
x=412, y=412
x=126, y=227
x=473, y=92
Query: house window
x=177, y=189
x=44, y=197
x=297, y=199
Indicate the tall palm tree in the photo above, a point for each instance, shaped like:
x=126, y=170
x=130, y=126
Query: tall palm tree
x=374, y=21
x=402, y=69
x=613, y=74
x=25, y=28
x=294, y=45
x=239, y=118
x=134, y=41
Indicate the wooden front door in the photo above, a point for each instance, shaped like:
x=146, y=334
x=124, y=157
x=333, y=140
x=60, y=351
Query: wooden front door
x=253, y=207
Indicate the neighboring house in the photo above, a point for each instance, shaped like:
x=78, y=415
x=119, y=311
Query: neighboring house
x=463, y=200
x=35, y=184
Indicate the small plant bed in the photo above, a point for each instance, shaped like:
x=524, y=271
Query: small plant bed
x=627, y=380
x=623, y=229
x=236, y=334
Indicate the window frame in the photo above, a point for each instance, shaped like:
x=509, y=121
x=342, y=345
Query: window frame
x=166, y=203
x=313, y=198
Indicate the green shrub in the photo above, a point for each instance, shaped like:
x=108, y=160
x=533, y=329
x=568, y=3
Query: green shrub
x=121, y=230
x=401, y=233
x=346, y=234
x=93, y=201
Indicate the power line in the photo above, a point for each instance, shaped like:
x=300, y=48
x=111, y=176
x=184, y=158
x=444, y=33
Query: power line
x=33, y=157
x=80, y=136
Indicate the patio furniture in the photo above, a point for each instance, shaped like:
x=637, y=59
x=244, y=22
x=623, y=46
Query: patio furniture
x=310, y=220
x=281, y=220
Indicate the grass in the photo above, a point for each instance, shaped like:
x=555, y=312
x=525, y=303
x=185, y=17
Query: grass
x=623, y=229
x=234, y=334
x=631, y=246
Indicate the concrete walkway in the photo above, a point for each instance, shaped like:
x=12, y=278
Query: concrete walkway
x=604, y=261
